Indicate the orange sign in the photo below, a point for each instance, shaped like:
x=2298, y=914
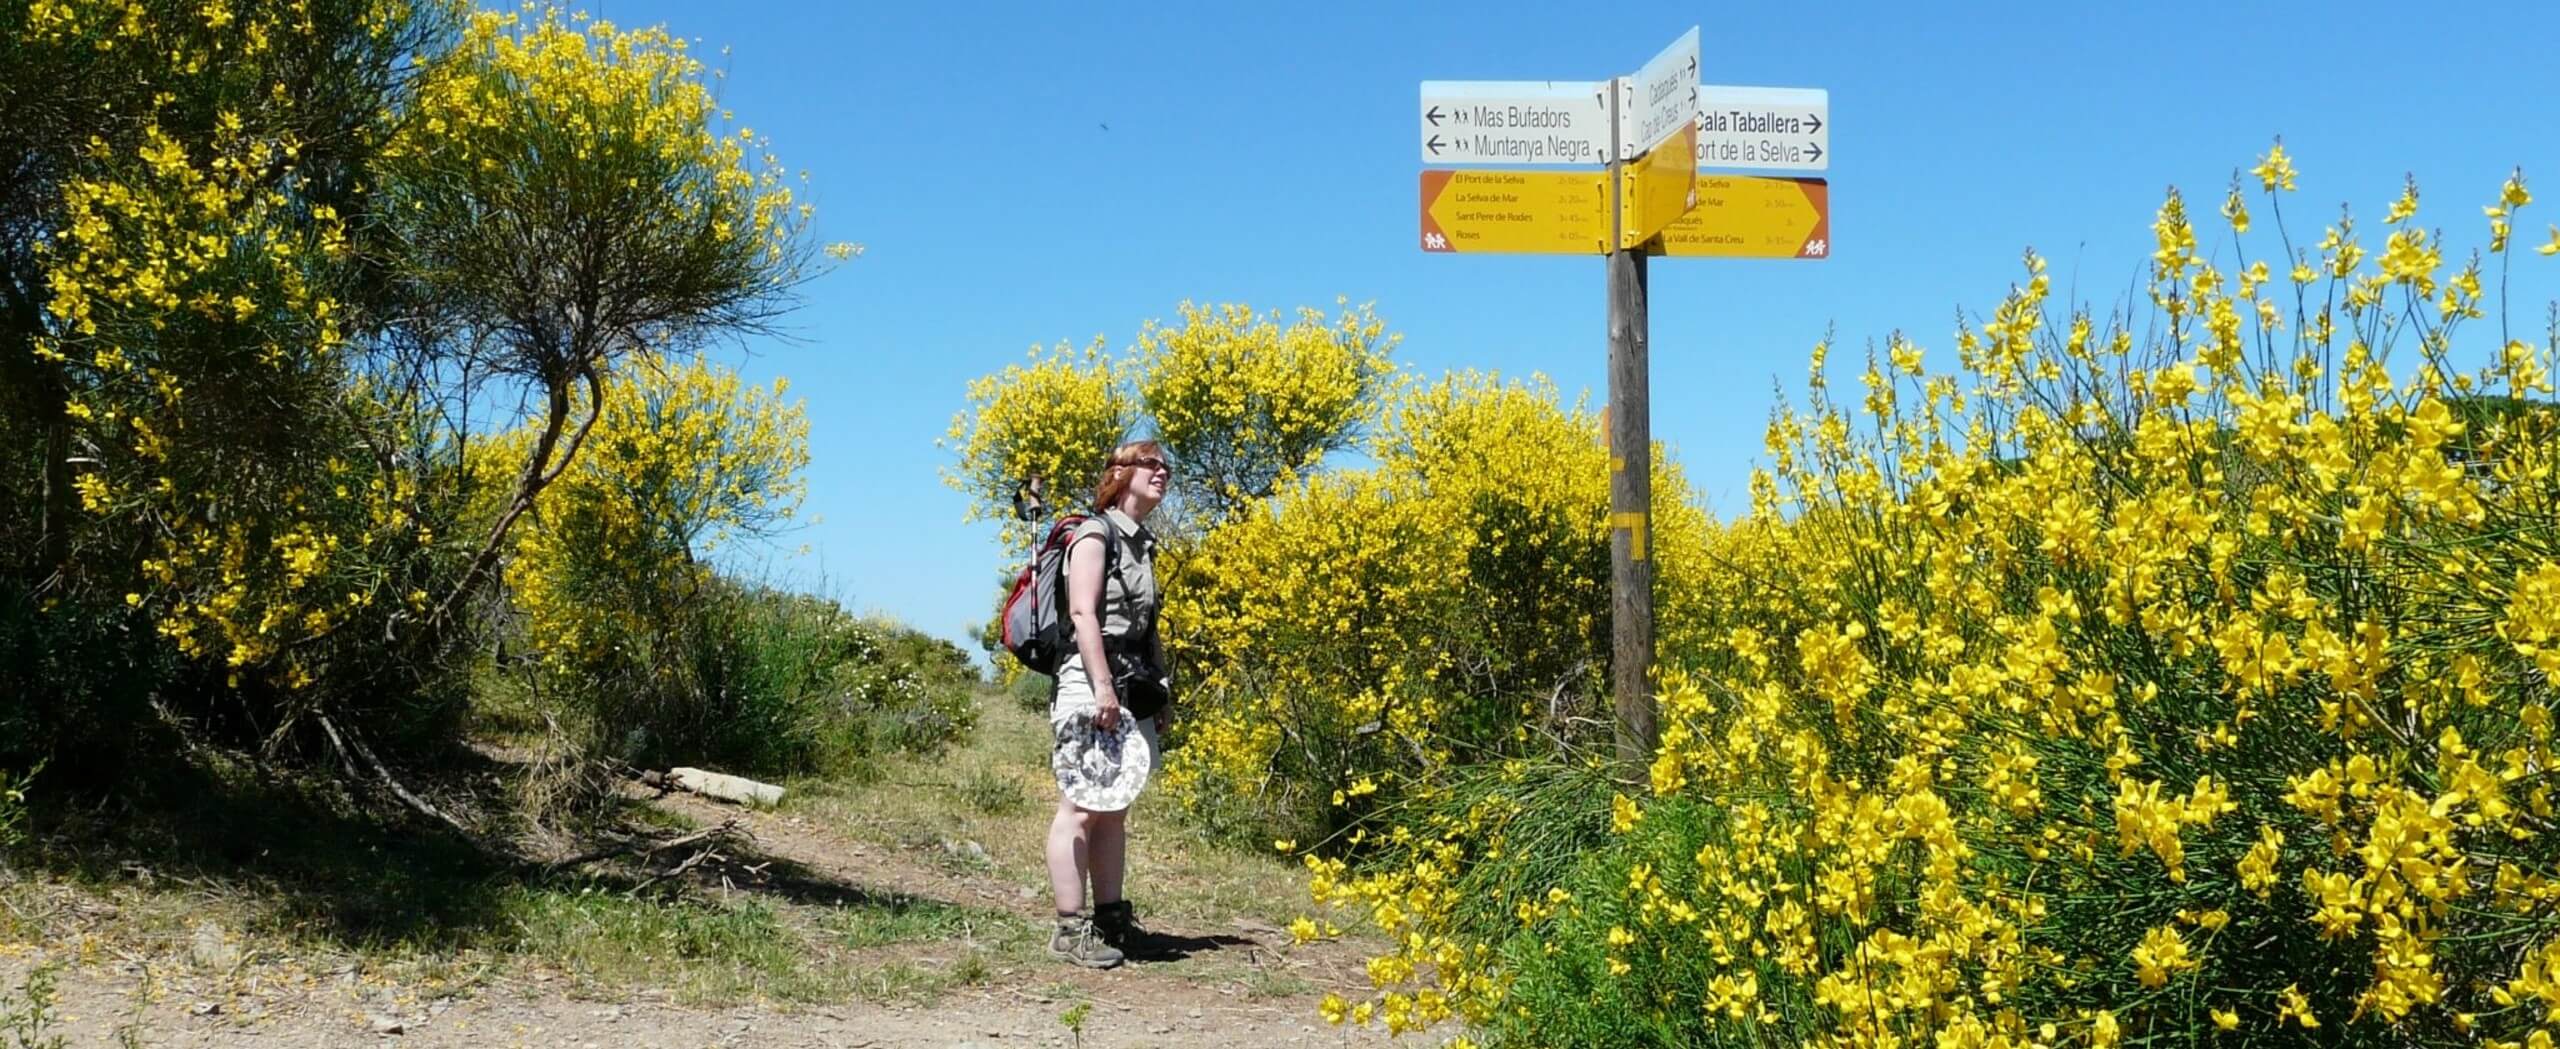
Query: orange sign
x=1660, y=187
x=1521, y=212
x=1753, y=217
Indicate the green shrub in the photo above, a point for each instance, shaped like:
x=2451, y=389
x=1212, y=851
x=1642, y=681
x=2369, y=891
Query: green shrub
x=760, y=682
x=13, y=807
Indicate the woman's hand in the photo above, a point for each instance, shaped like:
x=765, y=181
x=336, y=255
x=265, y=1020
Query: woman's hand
x=1106, y=705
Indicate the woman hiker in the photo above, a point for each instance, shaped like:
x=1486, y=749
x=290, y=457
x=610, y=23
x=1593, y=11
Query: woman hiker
x=1107, y=725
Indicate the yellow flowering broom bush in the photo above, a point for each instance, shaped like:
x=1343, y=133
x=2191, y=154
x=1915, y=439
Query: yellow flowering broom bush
x=1238, y=400
x=2181, y=675
x=1244, y=401
x=1446, y=606
x=563, y=197
x=179, y=300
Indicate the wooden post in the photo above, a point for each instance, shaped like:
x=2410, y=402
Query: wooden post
x=1630, y=426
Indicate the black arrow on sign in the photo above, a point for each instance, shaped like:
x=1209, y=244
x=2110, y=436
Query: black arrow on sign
x=1815, y=150
x=1815, y=119
x=1693, y=65
x=1433, y=116
x=1434, y=145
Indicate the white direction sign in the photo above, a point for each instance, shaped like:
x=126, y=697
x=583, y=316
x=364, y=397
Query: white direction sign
x=1780, y=128
x=1515, y=121
x=1660, y=99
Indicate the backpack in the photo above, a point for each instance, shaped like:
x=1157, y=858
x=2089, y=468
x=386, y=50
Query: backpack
x=1036, y=629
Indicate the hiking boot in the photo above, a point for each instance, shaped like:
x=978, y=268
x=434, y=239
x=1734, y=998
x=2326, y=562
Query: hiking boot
x=1076, y=941
x=1117, y=924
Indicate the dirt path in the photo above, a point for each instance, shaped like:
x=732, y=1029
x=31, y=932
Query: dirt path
x=1130, y=1009
x=1220, y=995
x=1233, y=977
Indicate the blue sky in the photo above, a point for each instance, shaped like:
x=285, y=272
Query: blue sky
x=1029, y=174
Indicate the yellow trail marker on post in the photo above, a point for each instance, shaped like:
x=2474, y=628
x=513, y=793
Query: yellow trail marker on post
x=1748, y=217
x=1519, y=212
x=1660, y=188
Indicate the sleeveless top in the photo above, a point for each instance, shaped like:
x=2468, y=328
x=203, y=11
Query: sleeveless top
x=1129, y=595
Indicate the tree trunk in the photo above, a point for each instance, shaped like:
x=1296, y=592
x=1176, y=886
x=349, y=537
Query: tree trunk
x=540, y=469
x=44, y=397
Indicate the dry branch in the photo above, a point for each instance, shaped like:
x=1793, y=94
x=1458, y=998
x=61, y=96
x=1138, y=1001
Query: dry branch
x=727, y=829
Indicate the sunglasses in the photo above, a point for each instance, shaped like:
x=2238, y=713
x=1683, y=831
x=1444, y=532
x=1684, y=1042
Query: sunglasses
x=1157, y=465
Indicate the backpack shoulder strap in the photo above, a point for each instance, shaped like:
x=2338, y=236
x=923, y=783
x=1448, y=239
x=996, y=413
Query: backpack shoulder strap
x=1110, y=553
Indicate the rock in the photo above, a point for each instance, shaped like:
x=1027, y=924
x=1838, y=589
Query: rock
x=1194, y=1014
x=387, y=1024
x=213, y=949
x=205, y=1008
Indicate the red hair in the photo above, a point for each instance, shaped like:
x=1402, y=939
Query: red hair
x=1115, y=478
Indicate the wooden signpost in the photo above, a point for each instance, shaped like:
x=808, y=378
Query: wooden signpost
x=1653, y=133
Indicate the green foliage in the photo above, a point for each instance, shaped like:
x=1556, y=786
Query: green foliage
x=1029, y=691
x=28, y=1020
x=13, y=807
x=1074, y=1018
x=1565, y=990
x=761, y=682
x=992, y=793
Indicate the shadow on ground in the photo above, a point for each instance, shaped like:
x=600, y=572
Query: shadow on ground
x=315, y=863
x=1170, y=947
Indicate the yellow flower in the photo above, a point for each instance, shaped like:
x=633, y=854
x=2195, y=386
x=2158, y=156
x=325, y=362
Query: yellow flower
x=2275, y=170
x=2296, y=1007
x=1623, y=814
x=2162, y=954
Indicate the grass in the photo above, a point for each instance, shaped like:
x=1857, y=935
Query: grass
x=704, y=952
x=911, y=920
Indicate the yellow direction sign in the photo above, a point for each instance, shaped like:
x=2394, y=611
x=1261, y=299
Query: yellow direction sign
x=1521, y=212
x=1751, y=217
x=1660, y=187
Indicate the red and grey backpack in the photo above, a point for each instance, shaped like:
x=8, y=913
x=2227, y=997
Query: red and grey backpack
x=1036, y=629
